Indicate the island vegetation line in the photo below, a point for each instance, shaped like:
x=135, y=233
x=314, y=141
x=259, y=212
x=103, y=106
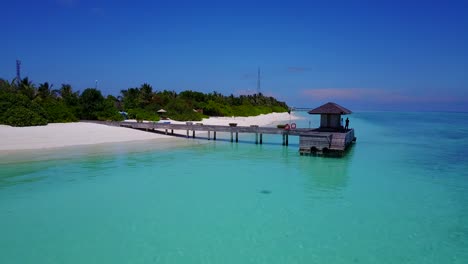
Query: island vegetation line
x=23, y=103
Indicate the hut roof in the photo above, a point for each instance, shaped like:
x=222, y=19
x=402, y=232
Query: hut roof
x=330, y=108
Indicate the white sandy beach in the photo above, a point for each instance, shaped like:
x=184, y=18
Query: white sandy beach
x=76, y=134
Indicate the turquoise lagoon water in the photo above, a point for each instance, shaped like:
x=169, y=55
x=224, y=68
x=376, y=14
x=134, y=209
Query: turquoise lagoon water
x=399, y=196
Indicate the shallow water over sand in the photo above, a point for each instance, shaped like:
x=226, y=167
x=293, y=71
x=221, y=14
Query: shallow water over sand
x=399, y=196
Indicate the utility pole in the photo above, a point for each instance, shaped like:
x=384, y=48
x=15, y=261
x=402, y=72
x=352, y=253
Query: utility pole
x=18, y=71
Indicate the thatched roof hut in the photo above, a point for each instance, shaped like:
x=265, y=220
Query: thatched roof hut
x=330, y=115
x=330, y=108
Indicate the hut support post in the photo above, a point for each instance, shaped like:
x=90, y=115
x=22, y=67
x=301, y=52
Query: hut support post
x=261, y=138
x=237, y=137
x=214, y=135
x=172, y=131
x=287, y=139
x=166, y=131
x=231, y=137
x=256, y=138
x=193, y=133
x=209, y=134
x=187, y=134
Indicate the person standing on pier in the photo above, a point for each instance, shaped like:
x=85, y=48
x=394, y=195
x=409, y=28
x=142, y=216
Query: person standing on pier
x=347, y=124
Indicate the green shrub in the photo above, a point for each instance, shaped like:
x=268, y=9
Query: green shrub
x=213, y=108
x=91, y=102
x=279, y=109
x=20, y=116
x=109, y=111
x=182, y=110
x=36, y=108
x=9, y=99
x=141, y=114
x=57, y=112
x=109, y=116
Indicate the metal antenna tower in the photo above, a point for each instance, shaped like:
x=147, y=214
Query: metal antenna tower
x=258, y=81
x=18, y=71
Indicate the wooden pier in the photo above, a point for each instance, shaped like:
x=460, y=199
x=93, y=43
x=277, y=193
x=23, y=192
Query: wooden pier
x=311, y=141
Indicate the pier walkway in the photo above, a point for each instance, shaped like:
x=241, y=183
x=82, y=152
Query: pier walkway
x=311, y=141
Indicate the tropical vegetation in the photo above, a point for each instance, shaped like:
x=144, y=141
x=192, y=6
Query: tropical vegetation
x=23, y=103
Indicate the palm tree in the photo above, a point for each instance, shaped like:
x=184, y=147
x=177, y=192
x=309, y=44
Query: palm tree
x=146, y=94
x=5, y=85
x=130, y=97
x=27, y=88
x=66, y=93
x=44, y=90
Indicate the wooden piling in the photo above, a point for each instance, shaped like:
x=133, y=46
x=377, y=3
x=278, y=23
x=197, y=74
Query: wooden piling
x=261, y=138
x=237, y=137
x=188, y=134
x=193, y=133
x=214, y=135
x=231, y=136
x=256, y=138
x=209, y=135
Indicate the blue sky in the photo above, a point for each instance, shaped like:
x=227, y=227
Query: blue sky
x=366, y=55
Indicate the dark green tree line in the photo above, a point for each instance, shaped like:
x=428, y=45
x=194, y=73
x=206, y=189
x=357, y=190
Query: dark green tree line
x=22, y=103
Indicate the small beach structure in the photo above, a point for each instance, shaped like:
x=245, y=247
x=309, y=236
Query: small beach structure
x=331, y=136
x=124, y=114
x=161, y=113
x=330, y=116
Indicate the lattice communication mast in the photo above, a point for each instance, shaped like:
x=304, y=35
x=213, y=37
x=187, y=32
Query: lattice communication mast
x=18, y=71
